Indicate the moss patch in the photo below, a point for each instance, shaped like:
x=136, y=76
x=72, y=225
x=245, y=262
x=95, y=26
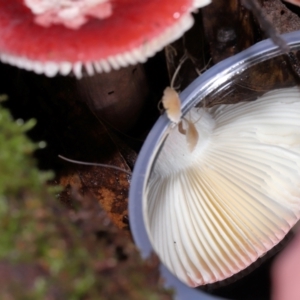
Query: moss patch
x=50, y=252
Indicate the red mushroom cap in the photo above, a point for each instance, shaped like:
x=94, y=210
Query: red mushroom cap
x=132, y=32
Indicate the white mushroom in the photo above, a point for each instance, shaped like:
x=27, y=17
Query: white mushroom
x=214, y=211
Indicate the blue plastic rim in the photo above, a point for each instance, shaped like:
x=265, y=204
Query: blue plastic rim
x=191, y=96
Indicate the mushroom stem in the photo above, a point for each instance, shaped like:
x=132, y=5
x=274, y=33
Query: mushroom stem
x=118, y=97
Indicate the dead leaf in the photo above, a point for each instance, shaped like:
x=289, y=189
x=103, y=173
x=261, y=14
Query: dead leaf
x=229, y=27
x=280, y=16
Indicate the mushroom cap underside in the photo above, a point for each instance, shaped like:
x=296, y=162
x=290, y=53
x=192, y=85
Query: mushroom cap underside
x=214, y=211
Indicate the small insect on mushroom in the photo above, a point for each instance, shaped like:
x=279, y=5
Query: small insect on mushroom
x=172, y=105
x=235, y=196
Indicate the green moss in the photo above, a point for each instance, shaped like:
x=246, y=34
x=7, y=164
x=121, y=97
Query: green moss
x=17, y=167
x=30, y=230
x=36, y=234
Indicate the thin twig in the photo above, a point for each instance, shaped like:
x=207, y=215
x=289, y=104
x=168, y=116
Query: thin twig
x=94, y=164
x=266, y=25
x=181, y=62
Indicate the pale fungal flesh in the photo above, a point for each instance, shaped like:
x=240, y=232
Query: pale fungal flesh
x=296, y=2
x=212, y=212
x=190, y=132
